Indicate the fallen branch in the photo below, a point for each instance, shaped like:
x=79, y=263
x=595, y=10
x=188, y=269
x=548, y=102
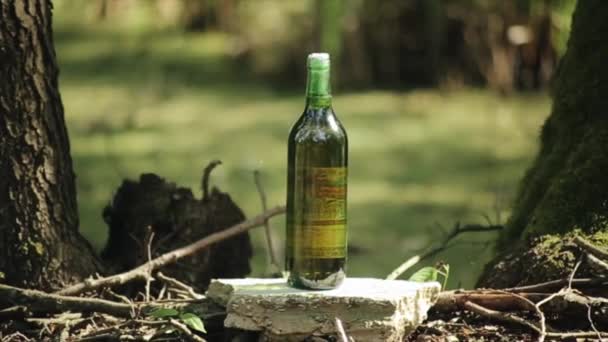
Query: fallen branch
x=500, y=316
x=341, y=331
x=511, y=318
x=42, y=302
x=591, y=248
x=431, y=252
x=273, y=268
x=205, y=181
x=46, y=302
x=449, y=301
x=185, y=330
x=141, y=271
x=554, y=285
x=572, y=303
x=597, y=263
x=176, y=283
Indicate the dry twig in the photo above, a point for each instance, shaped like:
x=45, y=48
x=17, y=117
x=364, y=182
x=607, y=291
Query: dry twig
x=431, y=252
x=47, y=302
x=499, y=316
x=273, y=266
x=206, y=174
x=597, y=263
x=591, y=248
x=148, y=241
x=176, y=283
x=185, y=330
x=559, y=283
x=341, y=332
x=141, y=271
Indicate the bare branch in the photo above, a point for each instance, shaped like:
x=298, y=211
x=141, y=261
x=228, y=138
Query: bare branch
x=403, y=267
x=341, y=332
x=500, y=316
x=273, y=266
x=431, y=252
x=206, y=174
x=597, y=263
x=176, y=283
x=141, y=271
x=591, y=248
x=148, y=241
x=45, y=302
x=559, y=283
x=185, y=331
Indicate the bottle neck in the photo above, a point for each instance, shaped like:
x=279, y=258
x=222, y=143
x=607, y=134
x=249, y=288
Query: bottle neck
x=318, y=91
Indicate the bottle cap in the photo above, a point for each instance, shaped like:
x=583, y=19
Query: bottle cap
x=318, y=60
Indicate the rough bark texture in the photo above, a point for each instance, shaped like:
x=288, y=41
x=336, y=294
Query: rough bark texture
x=565, y=189
x=39, y=242
x=567, y=185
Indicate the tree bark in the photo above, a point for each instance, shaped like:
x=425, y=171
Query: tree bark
x=564, y=193
x=567, y=185
x=39, y=241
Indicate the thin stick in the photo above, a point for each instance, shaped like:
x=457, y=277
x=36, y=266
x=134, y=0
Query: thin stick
x=597, y=263
x=506, y=317
x=141, y=271
x=47, y=302
x=341, y=332
x=543, y=330
x=591, y=248
x=176, y=283
x=273, y=265
x=599, y=335
x=185, y=330
x=559, y=283
x=457, y=230
x=149, y=238
x=539, y=312
x=403, y=267
x=499, y=316
x=564, y=290
x=206, y=174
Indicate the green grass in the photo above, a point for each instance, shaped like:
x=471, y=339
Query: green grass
x=168, y=103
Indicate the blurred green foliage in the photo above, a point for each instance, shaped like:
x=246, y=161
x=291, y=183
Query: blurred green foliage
x=143, y=94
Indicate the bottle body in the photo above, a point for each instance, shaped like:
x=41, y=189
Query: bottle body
x=316, y=197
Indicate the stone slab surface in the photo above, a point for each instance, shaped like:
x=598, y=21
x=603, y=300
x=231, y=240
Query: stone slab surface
x=370, y=309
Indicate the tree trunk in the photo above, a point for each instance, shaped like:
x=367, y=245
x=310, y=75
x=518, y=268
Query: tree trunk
x=39, y=241
x=567, y=186
x=565, y=192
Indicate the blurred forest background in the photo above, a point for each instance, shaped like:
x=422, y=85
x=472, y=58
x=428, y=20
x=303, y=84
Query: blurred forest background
x=442, y=101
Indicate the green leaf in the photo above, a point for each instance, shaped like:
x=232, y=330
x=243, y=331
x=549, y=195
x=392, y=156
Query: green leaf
x=193, y=321
x=425, y=274
x=163, y=312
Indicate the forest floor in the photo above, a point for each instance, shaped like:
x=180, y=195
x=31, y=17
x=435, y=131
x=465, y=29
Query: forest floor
x=168, y=102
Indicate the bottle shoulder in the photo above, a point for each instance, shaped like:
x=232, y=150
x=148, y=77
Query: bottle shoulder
x=318, y=126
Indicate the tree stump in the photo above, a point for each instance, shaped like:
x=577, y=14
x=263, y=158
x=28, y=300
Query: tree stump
x=176, y=218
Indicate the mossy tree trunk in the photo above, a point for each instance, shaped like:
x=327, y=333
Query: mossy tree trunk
x=565, y=192
x=567, y=186
x=39, y=241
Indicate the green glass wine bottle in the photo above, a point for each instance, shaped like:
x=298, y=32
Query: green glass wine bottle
x=316, y=239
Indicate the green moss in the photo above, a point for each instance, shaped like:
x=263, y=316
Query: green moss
x=547, y=257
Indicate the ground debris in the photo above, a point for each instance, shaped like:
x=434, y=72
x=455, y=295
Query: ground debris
x=465, y=326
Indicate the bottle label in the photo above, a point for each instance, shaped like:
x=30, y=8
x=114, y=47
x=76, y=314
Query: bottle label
x=320, y=222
